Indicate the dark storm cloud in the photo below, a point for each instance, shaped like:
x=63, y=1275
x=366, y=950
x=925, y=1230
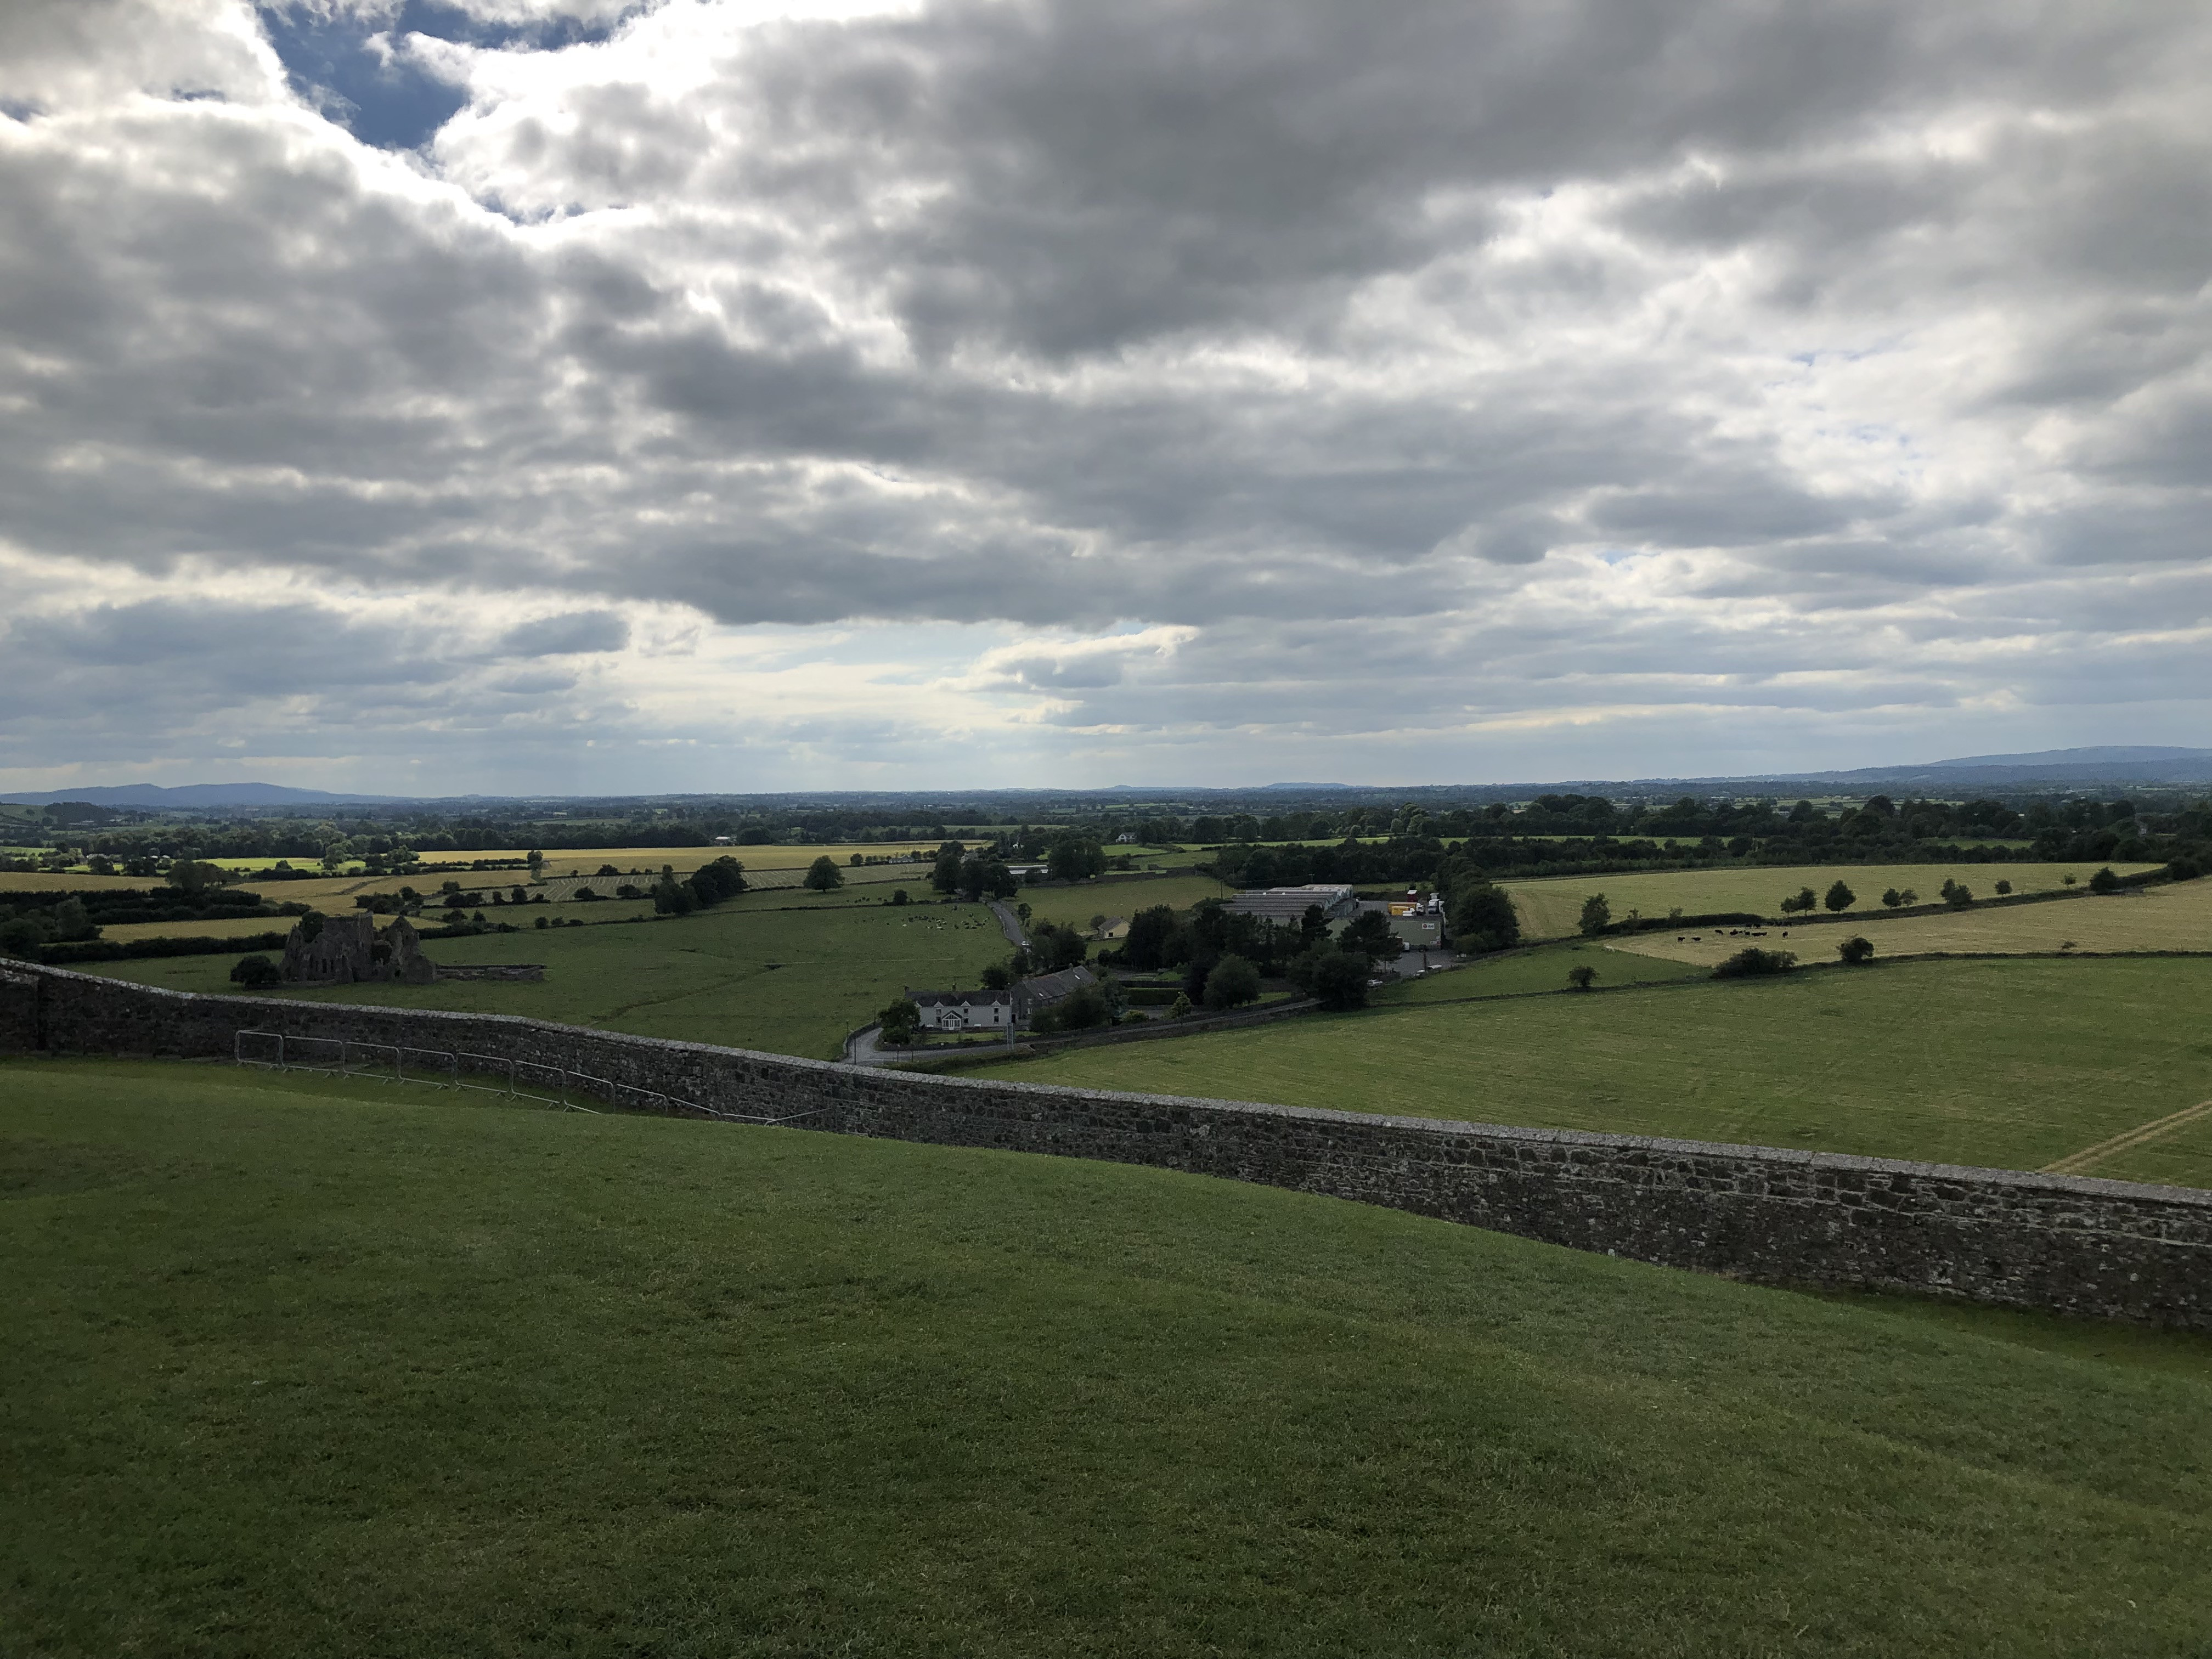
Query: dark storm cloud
x=1637, y=349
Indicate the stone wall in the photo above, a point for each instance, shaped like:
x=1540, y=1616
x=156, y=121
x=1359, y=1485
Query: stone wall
x=2071, y=1244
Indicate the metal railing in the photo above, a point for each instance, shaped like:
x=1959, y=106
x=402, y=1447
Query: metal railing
x=521, y=1079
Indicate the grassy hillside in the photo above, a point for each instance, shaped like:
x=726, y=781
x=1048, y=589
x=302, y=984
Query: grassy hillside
x=790, y=980
x=2177, y=916
x=304, y=1371
x=2007, y=1064
x=1552, y=907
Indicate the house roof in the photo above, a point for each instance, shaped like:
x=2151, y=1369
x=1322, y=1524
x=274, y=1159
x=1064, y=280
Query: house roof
x=1051, y=987
x=957, y=999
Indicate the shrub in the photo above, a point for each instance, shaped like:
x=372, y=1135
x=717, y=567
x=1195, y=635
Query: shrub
x=2003, y=887
x=1581, y=978
x=1597, y=914
x=1856, y=949
x=1752, y=962
x=2184, y=869
x=255, y=970
x=1233, y=982
x=1840, y=897
x=2105, y=881
x=1179, y=1008
x=540, y=922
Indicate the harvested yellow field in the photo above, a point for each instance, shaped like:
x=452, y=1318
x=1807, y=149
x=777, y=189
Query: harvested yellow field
x=1552, y=907
x=2177, y=917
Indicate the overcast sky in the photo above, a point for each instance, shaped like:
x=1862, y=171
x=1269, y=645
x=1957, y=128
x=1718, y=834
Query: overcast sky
x=551, y=395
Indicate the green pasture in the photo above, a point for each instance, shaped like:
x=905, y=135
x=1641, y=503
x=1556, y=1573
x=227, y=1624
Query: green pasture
x=788, y=981
x=311, y=1368
x=1075, y=906
x=2006, y=1064
x=1543, y=968
x=1552, y=907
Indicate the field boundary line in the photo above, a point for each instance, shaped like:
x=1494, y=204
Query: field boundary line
x=2078, y=1163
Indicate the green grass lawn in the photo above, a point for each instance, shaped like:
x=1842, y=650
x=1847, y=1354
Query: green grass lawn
x=703, y=978
x=2005, y=1064
x=311, y=1368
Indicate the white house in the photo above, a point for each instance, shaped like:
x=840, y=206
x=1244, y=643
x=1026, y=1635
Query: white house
x=964, y=1011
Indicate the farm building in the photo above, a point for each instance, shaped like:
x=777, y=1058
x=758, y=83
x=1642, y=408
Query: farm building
x=1288, y=904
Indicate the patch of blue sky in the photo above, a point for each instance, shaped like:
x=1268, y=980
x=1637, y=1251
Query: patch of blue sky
x=343, y=61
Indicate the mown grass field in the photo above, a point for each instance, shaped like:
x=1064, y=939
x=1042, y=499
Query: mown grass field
x=2005, y=1064
x=1552, y=907
x=2176, y=917
x=315, y=1369
x=1544, y=968
x=790, y=982
x=1075, y=906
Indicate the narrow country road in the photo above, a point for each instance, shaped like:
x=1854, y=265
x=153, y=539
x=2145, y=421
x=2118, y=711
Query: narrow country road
x=1010, y=922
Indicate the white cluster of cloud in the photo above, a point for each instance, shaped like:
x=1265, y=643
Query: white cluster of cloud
x=726, y=396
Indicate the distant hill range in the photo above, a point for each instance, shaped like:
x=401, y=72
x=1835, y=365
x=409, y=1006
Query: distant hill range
x=2109, y=763
x=197, y=794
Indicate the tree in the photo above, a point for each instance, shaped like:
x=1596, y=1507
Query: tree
x=823, y=876
x=1910, y=897
x=1483, y=919
x=2003, y=887
x=1957, y=894
x=899, y=896
x=1891, y=897
x=1856, y=949
x=945, y=876
x=671, y=898
x=1597, y=914
x=2105, y=881
x=1804, y=901
x=1752, y=962
x=72, y=921
x=1021, y=914
x=1233, y=982
x=1152, y=941
x=1179, y=1008
x=536, y=859
x=1581, y=978
x=898, y=1020
x=1840, y=897
x=1369, y=933
x=255, y=970
x=1338, y=980
x=997, y=976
